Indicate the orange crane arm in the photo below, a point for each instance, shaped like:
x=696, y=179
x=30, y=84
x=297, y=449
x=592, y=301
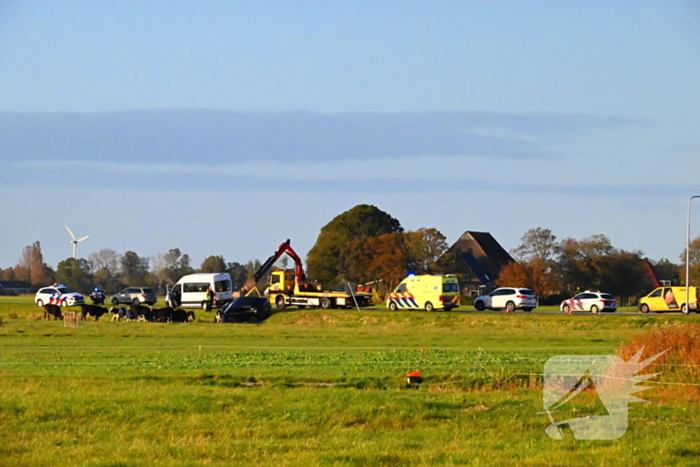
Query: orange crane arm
x=283, y=248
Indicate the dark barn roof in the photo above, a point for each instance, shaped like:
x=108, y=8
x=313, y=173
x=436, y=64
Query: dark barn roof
x=483, y=254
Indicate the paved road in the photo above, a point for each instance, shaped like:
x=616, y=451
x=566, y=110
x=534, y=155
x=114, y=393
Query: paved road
x=622, y=313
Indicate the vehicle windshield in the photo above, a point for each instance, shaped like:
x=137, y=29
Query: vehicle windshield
x=607, y=296
x=450, y=287
x=148, y=291
x=222, y=286
x=526, y=292
x=65, y=290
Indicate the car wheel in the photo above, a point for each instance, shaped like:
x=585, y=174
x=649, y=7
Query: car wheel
x=115, y=301
x=510, y=307
x=64, y=302
x=280, y=303
x=325, y=303
x=40, y=302
x=566, y=309
x=218, y=319
x=429, y=306
x=393, y=306
x=594, y=309
x=479, y=306
x=135, y=302
x=644, y=308
x=684, y=309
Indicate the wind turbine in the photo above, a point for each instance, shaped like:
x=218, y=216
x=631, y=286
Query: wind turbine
x=75, y=242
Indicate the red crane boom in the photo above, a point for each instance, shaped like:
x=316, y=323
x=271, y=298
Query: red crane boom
x=283, y=248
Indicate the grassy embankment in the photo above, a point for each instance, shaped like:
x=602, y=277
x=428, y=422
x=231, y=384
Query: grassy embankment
x=317, y=388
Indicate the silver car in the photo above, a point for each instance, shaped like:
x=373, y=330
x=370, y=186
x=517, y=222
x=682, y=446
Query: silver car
x=135, y=296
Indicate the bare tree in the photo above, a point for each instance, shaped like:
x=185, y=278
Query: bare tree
x=105, y=259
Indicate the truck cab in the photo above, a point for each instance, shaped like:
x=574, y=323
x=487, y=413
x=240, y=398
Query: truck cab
x=282, y=281
x=291, y=288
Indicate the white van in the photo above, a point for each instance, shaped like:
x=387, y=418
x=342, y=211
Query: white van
x=191, y=290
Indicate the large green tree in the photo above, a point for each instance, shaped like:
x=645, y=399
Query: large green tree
x=75, y=274
x=579, y=262
x=623, y=273
x=335, y=255
x=134, y=269
x=214, y=263
x=426, y=246
x=667, y=271
x=239, y=274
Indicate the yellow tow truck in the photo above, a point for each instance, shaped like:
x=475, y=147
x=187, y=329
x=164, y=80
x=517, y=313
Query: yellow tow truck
x=287, y=288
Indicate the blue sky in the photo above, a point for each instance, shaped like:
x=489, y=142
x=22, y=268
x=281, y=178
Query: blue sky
x=227, y=127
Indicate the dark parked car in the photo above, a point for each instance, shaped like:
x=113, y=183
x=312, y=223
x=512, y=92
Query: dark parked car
x=245, y=310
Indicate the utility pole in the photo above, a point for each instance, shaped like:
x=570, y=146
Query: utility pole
x=687, y=258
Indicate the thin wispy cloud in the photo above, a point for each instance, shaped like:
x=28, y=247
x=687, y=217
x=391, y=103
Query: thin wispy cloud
x=212, y=137
x=177, y=178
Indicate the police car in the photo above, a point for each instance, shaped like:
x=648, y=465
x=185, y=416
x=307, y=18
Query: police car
x=590, y=301
x=58, y=295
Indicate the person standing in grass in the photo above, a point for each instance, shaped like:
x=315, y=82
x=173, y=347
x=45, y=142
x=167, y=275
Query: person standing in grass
x=210, y=299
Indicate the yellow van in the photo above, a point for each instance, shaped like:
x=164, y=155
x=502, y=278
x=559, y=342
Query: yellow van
x=426, y=292
x=668, y=299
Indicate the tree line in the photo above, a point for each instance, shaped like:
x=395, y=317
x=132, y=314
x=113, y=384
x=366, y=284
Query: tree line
x=112, y=271
x=366, y=245
x=554, y=268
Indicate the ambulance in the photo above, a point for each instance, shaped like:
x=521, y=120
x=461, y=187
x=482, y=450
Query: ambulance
x=425, y=292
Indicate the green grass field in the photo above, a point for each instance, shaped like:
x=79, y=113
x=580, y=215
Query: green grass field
x=319, y=387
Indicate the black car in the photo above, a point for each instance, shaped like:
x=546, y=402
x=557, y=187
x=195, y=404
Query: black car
x=245, y=310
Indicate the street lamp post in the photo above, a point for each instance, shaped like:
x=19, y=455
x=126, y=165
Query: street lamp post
x=687, y=258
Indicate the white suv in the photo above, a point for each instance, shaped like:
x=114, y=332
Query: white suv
x=589, y=301
x=508, y=299
x=58, y=295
